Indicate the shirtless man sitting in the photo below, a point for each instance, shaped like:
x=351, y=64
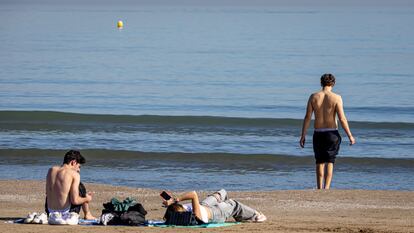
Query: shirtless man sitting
x=65, y=194
x=326, y=140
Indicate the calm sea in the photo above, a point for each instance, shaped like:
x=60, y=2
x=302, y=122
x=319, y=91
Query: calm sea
x=187, y=97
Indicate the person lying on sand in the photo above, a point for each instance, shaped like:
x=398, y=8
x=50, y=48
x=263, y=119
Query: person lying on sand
x=216, y=208
x=65, y=194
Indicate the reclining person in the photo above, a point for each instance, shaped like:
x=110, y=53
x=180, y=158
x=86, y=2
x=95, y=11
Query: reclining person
x=65, y=194
x=216, y=208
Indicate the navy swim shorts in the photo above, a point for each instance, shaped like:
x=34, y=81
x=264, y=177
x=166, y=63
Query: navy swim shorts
x=326, y=146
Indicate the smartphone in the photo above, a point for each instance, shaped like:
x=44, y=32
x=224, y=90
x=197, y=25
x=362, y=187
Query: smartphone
x=165, y=195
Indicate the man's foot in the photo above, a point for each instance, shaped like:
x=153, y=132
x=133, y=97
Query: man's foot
x=259, y=217
x=89, y=216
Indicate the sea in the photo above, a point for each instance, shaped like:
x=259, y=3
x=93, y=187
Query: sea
x=201, y=97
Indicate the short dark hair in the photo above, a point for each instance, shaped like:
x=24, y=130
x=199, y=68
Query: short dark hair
x=327, y=80
x=74, y=155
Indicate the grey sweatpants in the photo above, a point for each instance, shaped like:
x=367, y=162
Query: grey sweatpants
x=224, y=208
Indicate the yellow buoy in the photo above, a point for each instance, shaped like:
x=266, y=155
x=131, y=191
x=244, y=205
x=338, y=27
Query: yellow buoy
x=120, y=24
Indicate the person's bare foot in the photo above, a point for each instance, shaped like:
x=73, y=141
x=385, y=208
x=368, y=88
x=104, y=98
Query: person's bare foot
x=259, y=217
x=89, y=216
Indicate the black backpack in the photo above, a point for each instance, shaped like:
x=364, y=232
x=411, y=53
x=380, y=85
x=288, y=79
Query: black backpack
x=133, y=216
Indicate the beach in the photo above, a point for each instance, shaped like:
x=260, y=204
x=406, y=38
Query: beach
x=203, y=95
x=287, y=211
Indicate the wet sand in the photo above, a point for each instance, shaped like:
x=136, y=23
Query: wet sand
x=287, y=211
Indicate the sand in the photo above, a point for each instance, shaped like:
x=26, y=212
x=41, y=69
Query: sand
x=287, y=211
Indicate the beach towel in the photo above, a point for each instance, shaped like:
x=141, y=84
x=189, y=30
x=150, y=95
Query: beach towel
x=81, y=221
x=85, y=222
x=155, y=223
x=149, y=223
x=159, y=223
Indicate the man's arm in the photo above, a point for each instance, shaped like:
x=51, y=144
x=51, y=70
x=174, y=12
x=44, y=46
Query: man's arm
x=75, y=199
x=306, y=122
x=344, y=121
x=194, y=201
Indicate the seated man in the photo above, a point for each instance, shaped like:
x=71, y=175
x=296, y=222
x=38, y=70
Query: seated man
x=65, y=194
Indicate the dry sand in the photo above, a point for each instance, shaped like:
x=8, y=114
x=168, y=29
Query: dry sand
x=287, y=211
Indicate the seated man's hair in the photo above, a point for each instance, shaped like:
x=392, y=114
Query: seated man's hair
x=327, y=80
x=73, y=155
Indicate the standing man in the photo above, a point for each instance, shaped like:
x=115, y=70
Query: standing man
x=65, y=194
x=326, y=140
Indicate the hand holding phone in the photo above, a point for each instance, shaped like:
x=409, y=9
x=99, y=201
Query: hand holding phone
x=165, y=195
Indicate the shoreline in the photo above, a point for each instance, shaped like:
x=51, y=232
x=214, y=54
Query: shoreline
x=153, y=170
x=286, y=210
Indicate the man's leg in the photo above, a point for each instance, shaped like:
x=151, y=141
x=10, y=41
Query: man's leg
x=320, y=168
x=237, y=210
x=46, y=209
x=84, y=206
x=87, y=213
x=328, y=175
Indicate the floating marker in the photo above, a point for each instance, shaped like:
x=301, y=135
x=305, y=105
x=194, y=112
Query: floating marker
x=120, y=24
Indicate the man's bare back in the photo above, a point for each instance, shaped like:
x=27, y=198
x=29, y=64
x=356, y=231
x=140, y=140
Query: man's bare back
x=324, y=105
x=58, y=186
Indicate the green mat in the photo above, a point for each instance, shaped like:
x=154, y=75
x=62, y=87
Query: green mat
x=207, y=225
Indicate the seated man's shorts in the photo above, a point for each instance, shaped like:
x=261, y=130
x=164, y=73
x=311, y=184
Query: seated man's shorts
x=326, y=146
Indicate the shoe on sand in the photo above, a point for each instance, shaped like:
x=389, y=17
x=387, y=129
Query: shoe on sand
x=36, y=219
x=105, y=218
x=260, y=217
x=30, y=217
x=73, y=219
x=55, y=218
x=40, y=219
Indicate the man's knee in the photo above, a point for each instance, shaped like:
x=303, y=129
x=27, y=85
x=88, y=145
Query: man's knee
x=320, y=173
x=328, y=173
x=223, y=195
x=329, y=168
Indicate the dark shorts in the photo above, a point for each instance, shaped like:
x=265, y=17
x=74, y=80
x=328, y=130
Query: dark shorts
x=73, y=208
x=326, y=146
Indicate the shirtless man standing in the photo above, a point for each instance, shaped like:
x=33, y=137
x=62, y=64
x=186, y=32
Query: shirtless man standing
x=65, y=194
x=326, y=140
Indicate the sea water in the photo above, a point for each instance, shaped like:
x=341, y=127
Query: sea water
x=203, y=97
